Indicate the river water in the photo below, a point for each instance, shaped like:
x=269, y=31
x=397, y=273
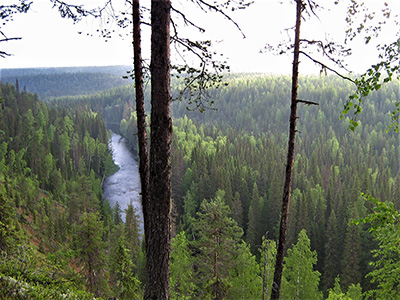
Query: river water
x=124, y=185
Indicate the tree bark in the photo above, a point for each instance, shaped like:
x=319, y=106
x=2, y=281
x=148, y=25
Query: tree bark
x=158, y=245
x=144, y=171
x=276, y=286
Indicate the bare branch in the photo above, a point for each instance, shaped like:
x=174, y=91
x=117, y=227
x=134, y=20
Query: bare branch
x=326, y=67
x=4, y=54
x=307, y=102
x=10, y=39
x=186, y=20
x=222, y=12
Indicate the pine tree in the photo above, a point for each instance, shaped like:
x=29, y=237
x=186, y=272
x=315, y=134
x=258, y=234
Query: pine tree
x=318, y=207
x=131, y=232
x=351, y=273
x=253, y=236
x=91, y=250
x=244, y=277
x=7, y=230
x=117, y=214
x=190, y=206
x=300, y=279
x=237, y=210
x=181, y=280
x=354, y=292
x=331, y=265
x=267, y=253
x=217, y=242
x=126, y=284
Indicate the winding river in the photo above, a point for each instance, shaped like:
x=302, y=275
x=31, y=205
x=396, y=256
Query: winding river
x=124, y=185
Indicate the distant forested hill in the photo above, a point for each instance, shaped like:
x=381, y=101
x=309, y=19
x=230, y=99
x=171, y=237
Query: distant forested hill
x=48, y=83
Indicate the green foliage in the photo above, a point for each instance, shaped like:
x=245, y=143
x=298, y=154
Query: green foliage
x=372, y=80
x=267, y=265
x=122, y=269
x=22, y=276
x=239, y=149
x=47, y=179
x=56, y=82
x=300, y=279
x=332, y=253
x=245, y=278
x=182, y=273
x=217, y=241
x=351, y=273
x=354, y=292
x=7, y=231
x=131, y=233
x=384, y=225
x=91, y=251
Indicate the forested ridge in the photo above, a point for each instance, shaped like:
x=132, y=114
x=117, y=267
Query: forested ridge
x=48, y=83
x=228, y=167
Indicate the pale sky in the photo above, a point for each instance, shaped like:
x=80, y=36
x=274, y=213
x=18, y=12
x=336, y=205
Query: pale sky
x=50, y=41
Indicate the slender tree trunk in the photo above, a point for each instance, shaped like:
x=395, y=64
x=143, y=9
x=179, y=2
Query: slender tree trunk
x=158, y=245
x=276, y=287
x=141, y=115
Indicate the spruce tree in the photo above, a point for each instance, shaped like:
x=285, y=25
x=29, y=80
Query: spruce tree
x=300, y=279
x=131, y=232
x=267, y=262
x=91, y=250
x=181, y=280
x=245, y=277
x=253, y=236
x=217, y=243
x=331, y=265
x=7, y=230
x=126, y=284
x=351, y=259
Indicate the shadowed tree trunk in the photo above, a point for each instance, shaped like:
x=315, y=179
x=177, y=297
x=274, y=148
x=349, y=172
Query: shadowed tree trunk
x=141, y=114
x=158, y=237
x=276, y=286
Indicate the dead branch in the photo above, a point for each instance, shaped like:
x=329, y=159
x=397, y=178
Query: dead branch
x=326, y=67
x=307, y=102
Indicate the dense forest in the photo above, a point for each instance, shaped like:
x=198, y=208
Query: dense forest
x=60, y=238
x=48, y=83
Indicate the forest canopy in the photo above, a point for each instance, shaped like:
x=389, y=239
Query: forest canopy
x=230, y=160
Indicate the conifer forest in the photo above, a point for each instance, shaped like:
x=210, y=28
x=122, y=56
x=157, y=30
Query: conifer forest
x=245, y=185
x=61, y=239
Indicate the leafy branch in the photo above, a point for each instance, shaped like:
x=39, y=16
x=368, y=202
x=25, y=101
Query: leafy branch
x=372, y=80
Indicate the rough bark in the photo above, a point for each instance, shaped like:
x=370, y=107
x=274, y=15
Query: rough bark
x=276, y=287
x=158, y=237
x=141, y=114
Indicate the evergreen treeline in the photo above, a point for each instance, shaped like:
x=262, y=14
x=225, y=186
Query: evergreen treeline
x=228, y=168
x=240, y=151
x=49, y=83
x=58, y=238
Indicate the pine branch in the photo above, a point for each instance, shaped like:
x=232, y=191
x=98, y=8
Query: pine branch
x=307, y=102
x=326, y=67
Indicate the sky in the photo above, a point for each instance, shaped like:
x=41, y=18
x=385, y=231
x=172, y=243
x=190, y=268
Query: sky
x=51, y=41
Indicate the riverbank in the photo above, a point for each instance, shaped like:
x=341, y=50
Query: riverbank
x=124, y=185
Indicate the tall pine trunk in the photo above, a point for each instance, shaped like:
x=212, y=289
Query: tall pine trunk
x=144, y=171
x=276, y=286
x=158, y=244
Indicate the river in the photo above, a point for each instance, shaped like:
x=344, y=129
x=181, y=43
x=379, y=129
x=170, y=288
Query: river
x=124, y=185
